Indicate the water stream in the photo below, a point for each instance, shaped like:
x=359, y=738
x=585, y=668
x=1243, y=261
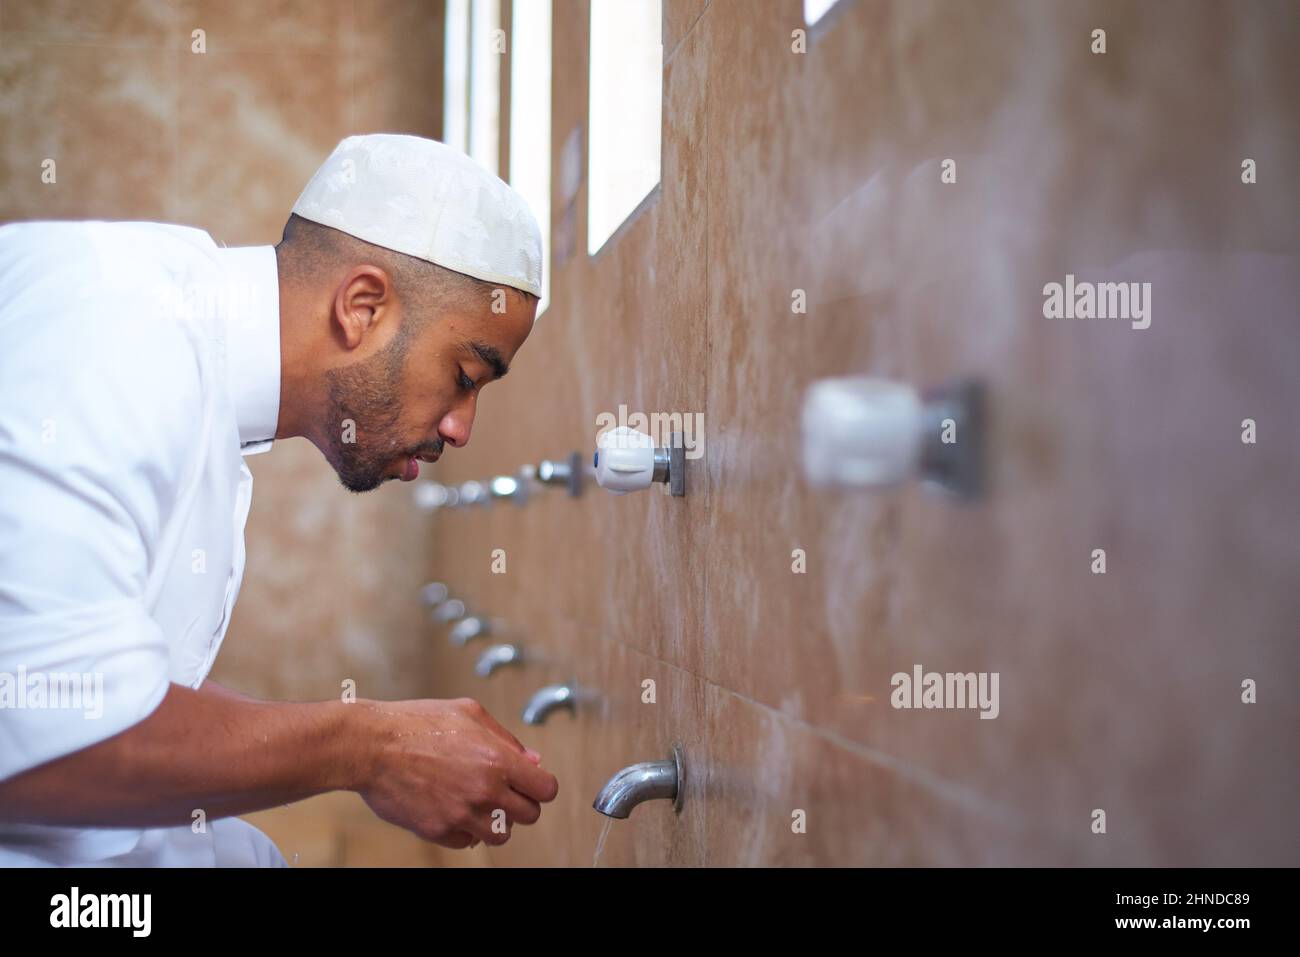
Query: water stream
x=600, y=842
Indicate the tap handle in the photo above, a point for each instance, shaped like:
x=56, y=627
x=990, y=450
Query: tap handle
x=861, y=432
x=627, y=461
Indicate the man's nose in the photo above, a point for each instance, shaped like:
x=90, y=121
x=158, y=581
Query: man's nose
x=455, y=426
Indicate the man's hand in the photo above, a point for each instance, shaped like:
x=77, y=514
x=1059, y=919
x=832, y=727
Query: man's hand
x=442, y=769
x=437, y=768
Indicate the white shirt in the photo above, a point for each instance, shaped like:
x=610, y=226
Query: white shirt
x=139, y=363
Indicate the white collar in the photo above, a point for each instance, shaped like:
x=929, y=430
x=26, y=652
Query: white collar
x=252, y=320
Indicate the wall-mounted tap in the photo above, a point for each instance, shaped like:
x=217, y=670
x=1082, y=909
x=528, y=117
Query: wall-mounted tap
x=467, y=629
x=627, y=460
x=443, y=608
x=434, y=594
x=547, y=700
x=565, y=472
x=474, y=493
x=498, y=656
x=511, y=487
x=873, y=433
x=647, y=781
x=451, y=610
x=434, y=495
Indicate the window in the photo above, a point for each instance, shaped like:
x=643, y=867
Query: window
x=455, y=80
x=530, y=119
x=486, y=47
x=472, y=79
x=814, y=10
x=624, y=110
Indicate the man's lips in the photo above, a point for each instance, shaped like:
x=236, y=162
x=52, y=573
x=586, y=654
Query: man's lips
x=412, y=468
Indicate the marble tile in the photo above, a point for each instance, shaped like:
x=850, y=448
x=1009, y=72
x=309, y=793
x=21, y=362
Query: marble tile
x=138, y=24
x=243, y=195
x=104, y=115
x=783, y=794
x=679, y=17
x=381, y=98
x=276, y=26
x=407, y=29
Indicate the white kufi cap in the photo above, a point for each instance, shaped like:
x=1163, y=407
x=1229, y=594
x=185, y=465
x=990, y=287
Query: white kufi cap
x=427, y=200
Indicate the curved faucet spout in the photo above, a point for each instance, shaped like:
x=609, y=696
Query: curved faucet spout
x=467, y=629
x=647, y=781
x=496, y=657
x=547, y=700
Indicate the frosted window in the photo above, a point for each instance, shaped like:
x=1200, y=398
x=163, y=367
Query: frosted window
x=486, y=47
x=530, y=119
x=626, y=90
x=455, y=80
x=471, y=103
x=814, y=10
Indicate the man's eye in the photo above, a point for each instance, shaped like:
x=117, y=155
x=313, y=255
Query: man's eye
x=466, y=382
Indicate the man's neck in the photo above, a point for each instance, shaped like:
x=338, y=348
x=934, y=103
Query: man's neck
x=295, y=368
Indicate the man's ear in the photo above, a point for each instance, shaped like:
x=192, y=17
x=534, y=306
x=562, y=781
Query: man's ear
x=359, y=301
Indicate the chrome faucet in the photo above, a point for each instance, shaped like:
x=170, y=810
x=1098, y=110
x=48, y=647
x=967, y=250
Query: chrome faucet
x=434, y=594
x=453, y=609
x=565, y=472
x=646, y=781
x=495, y=657
x=546, y=700
x=467, y=629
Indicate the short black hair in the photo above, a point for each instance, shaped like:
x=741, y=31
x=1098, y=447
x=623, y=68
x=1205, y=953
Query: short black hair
x=308, y=249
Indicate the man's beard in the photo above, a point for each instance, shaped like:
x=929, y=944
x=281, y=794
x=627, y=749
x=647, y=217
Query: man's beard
x=364, y=406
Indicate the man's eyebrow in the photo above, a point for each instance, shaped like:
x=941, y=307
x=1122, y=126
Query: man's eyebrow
x=491, y=357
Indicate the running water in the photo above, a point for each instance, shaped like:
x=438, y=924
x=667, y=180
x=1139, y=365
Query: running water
x=600, y=841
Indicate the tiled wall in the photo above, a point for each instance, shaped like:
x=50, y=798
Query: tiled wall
x=142, y=127
x=821, y=171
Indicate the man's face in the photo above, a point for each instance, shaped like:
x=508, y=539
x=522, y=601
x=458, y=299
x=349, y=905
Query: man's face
x=405, y=402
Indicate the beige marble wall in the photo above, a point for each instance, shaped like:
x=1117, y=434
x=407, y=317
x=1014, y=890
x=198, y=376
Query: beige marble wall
x=821, y=172
x=142, y=127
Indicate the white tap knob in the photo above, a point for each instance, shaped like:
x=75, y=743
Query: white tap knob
x=625, y=460
x=861, y=432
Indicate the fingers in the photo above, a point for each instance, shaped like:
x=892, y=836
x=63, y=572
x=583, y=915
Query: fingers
x=457, y=841
x=512, y=809
x=521, y=809
x=515, y=796
x=531, y=781
x=528, y=779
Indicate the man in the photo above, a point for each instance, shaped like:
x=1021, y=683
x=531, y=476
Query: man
x=139, y=363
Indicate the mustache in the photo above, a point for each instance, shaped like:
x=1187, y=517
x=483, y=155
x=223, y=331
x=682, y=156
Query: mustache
x=433, y=447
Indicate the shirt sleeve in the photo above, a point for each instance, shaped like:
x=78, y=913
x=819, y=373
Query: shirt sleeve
x=95, y=407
